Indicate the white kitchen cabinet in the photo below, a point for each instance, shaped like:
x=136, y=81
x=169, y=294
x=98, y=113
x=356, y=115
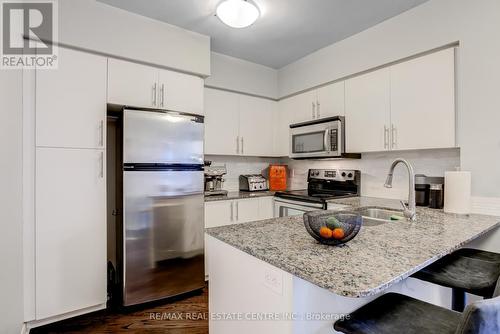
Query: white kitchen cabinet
x=283, y=119
x=219, y=213
x=367, y=112
x=70, y=230
x=132, y=84
x=304, y=106
x=423, y=102
x=256, y=128
x=247, y=210
x=331, y=100
x=221, y=122
x=71, y=102
x=145, y=86
x=180, y=92
x=237, y=124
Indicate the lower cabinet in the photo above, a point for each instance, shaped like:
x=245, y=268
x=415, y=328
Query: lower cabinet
x=220, y=213
x=70, y=232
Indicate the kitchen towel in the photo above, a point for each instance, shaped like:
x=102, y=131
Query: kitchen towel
x=457, y=192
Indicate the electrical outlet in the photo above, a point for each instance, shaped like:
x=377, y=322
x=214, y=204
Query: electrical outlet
x=273, y=280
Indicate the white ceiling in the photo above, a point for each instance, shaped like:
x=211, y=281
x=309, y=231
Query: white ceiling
x=286, y=31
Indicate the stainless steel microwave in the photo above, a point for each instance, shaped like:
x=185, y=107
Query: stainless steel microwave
x=321, y=138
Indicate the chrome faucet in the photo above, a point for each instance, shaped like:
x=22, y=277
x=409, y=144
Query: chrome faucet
x=409, y=210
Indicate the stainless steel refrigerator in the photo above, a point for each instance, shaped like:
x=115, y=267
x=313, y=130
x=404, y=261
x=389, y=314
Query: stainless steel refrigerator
x=163, y=227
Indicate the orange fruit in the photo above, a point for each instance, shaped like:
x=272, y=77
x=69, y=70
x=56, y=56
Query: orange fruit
x=338, y=233
x=325, y=232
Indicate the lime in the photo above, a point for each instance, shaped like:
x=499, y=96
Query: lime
x=333, y=223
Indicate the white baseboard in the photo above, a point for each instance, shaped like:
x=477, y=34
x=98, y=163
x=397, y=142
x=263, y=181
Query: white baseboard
x=42, y=322
x=486, y=205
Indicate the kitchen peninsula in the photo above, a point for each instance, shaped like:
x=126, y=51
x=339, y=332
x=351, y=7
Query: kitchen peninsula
x=275, y=267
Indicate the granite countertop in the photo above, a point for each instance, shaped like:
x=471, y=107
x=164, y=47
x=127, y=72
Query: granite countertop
x=377, y=258
x=238, y=195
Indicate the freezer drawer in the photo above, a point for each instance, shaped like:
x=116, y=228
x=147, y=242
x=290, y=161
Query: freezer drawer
x=162, y=137
x=163, y=234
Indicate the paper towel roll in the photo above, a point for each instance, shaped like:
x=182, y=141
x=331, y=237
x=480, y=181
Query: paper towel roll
x=457, y=192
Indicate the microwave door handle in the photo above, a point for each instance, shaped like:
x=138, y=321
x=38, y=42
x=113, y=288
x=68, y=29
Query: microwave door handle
x=326, y=139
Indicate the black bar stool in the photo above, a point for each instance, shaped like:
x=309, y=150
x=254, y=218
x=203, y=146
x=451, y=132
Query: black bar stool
x=465, y=270
x=395, y=313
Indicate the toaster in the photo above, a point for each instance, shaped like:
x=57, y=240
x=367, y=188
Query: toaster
x=253, y=182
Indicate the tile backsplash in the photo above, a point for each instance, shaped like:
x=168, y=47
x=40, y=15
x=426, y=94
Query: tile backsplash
x=373, y=166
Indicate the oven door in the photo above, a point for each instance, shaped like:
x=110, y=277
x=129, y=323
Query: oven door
x=286, y=207
x=317, y=140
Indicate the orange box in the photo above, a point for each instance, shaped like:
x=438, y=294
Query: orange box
x=277, y=177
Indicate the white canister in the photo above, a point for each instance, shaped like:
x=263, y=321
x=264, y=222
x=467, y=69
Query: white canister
x=457, y=192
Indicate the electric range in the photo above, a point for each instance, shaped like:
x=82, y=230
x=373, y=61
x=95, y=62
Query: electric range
x=322, y=185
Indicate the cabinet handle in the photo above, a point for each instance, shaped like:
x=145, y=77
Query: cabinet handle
x=231, y=211
x=313, y=110
x=162, y=96
x=242, y=146
x=101, y=138
x=237, y=211
x=317, y=109
x=237, y=144
x=101, y=173
x=394, y=134
x=386, y=137
x=154, y=94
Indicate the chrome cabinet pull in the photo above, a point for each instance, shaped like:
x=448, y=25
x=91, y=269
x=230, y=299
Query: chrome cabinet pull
x=394, y=133
x=317, y=109
x=242, y=146
x=231, y=211
x=154, y=94
x=162, y=96
x=237, y=144
x=386, y=137
x=101, y=174
x=313, y=110
x=101, y=138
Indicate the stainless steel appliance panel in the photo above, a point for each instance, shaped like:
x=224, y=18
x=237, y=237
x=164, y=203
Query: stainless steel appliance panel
x=162, y=137
x=288, y=208
x=163, y=234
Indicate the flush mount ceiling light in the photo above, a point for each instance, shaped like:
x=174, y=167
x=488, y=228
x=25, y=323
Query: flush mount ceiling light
x=237, y=13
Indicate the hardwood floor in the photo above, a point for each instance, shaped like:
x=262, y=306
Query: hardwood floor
x=189, y=315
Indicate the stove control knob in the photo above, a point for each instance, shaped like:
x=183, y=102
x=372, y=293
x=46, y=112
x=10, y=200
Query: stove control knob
x=349, y=175
x=343, y=174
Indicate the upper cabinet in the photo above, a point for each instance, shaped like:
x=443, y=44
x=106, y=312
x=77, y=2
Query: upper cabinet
x=71, y=102
x=423, y=102
x=407, y=106
x=237, y=124
x=368, y=107
x=144, y=86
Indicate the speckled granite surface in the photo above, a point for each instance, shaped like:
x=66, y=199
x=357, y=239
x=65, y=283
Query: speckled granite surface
x=378, y=257
x=239, y=195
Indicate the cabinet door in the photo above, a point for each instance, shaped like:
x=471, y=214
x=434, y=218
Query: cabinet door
x=423, y=102
x=266, y=207
x=70, y=230
x=132, y=84
x=221, y=122
x=71, y=102
x=331, y=100
x=247, y=210
x=180, y=92
x=303, y=106
x=219, y=213
x=256, y=126
x=367, y=112
x=284, y=118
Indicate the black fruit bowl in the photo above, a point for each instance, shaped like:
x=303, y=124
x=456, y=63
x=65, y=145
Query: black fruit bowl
x=349, y=222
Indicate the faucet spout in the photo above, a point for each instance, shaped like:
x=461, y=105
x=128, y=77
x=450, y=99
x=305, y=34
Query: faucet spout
x=409, y=210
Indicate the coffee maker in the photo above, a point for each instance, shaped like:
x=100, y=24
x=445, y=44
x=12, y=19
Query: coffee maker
x=214, y=179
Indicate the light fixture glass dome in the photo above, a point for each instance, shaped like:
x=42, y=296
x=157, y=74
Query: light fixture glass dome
x=237, y=13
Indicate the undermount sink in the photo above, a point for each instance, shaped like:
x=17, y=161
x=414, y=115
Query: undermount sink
x=376, y=216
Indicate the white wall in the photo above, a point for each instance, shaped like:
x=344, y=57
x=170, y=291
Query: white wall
x=11, y=261
x=242, y=76
x=374, y=168
x=476, y=25
x=97, y=26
